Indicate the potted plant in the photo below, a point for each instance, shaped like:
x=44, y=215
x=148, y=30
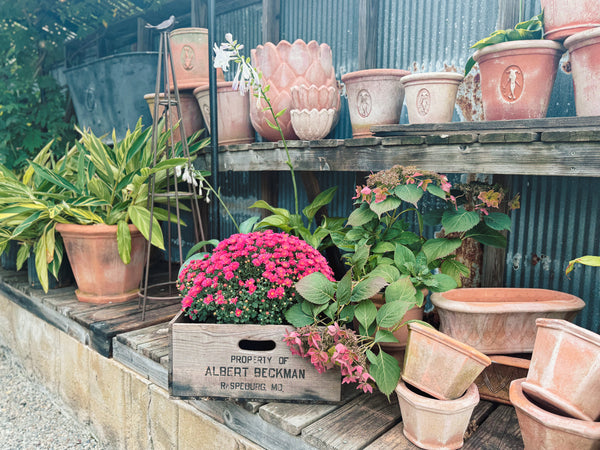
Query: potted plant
x=518, y=69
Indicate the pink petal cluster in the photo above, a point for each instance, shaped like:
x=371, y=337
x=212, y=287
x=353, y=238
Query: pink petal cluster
x=248, y=278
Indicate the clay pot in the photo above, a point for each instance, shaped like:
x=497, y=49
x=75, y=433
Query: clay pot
x=101, y=275
x=494, y=382
x=564, y=371
x=435, y=424
x=517, y=78
x=544, y=429
x=562, y=18
x=375, y=97
x=439, y=365
x=584, y=54
x=233, y=113
x=192, y=118
x=501, y=320
x=189, y=47
x=315, y=97
x=312, y=124
x=430, y=97
x=285, y=65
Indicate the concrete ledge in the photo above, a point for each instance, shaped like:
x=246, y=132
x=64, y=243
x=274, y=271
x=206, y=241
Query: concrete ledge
x=124, y=409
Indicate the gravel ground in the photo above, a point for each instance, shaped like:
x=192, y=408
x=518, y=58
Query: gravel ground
x=33, y=418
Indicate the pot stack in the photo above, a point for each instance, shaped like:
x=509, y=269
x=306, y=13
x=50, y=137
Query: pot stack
x=558, y=403
x=437, y=393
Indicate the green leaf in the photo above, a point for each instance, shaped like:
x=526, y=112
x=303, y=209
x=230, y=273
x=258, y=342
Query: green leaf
x=361, y=215
x=248, y=225
x=316, y=288
x=367, y=288
x=264, y=205
x=403, y=255
x=459, y=220
x=386, y=271
x=383, y=247
x=390, y=314
x=444, y=283
x=498, y=221
x=385, y=336
x=385, y=370
x=365, y=313
x=297, y=317
x=323, y=199
x=487, y=236
x=409, y=193
x=41, y=262
x=199, y=245
x=276, y=221
x=455, y=269
x=440, y=248
x=140, y=217
x=400, y=290
x=389, y=204
x=54, y=178
x=124, y=241
x=587, y=260
x=437, y=191
x=344, y=288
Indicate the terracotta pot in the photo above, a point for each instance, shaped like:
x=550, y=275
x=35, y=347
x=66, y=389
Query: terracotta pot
x=315, y=97
x=501, y=320
x=312, y=124
x=189, y=47
x=584, y=54
x=430, y=97
x=233, y=113
x=375, y=97
x=435, y=424
x=101, y=275
x=192, y=118
x=494, y=382
x=517, y=78
x=562, y=18
x=439, y=365
x=564, y=371
x=543, y=429
x=285, y=65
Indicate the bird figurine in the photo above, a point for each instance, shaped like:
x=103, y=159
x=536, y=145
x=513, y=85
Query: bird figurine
x=164, y=25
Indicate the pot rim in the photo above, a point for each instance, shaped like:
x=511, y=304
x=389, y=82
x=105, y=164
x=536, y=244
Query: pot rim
x=448, y=341
x=374, y=73
x=578, y=40
x=523, y=45
x=188, y=30
x=584, y=428
x=567, y=303
x=432, y=77
x=570, y=328
x=222, y=86
x=92, y=230
x=468, y=400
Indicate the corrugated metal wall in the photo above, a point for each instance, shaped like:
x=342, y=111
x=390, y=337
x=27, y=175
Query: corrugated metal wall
x=559, y=216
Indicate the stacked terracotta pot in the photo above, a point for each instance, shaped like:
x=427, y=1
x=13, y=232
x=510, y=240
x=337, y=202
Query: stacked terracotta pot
x=558, y=404
x=315, y=110
x=437, y=393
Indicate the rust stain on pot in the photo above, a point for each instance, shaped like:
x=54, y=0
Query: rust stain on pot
x=468, y=98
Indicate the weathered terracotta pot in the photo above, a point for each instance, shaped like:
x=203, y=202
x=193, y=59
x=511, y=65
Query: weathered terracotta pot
x=494, y=382
x=430, y=97
x=565, y=369
x=500, y=321
x=285, y=65
x=563, y=18
x=435, y=424
x=101, y=275
x=312, y=124
x=543, y=429
x=517, y=78
x=234, y=125
x=192, y=118
x=439, y=365
x=375, y=97
x=584, y=54
x=315, y=97
x=189, y=47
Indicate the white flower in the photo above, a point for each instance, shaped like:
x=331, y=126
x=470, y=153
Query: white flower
x=207, y=197
x=229, y=37
x=188, y=177
x=222, y=58
x=178, y=171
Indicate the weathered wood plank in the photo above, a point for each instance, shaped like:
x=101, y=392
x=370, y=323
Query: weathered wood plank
x=356, y=424
x=134, y=338
x=249, y=425
x=144, y=366
x=498, y=432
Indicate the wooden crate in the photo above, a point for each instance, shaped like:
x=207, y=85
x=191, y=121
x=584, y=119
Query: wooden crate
x=244, y=362
x=494, y=381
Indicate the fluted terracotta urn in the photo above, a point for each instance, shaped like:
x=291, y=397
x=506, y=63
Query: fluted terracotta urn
x=285, y=65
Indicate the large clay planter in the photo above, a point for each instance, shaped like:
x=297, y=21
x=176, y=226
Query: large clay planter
x=189, y=47
x=192, y=118
x=375, y=97
x=517, y=78
x=430, y=97
x=562, y=18
x=543, y=429
x=234, y=125
x=435, y=424
x=565, y=369
x=501, y=320
x=439, y=365
x=285, y=65
x=101, y=275
x=584, y=54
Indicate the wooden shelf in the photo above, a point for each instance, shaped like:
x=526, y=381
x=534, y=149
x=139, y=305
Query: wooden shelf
x=555, y=146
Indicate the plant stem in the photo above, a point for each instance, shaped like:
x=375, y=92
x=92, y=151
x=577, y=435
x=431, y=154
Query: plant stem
x=218, y=197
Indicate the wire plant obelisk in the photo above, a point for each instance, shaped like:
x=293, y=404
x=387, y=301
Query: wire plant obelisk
x=172, y=196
